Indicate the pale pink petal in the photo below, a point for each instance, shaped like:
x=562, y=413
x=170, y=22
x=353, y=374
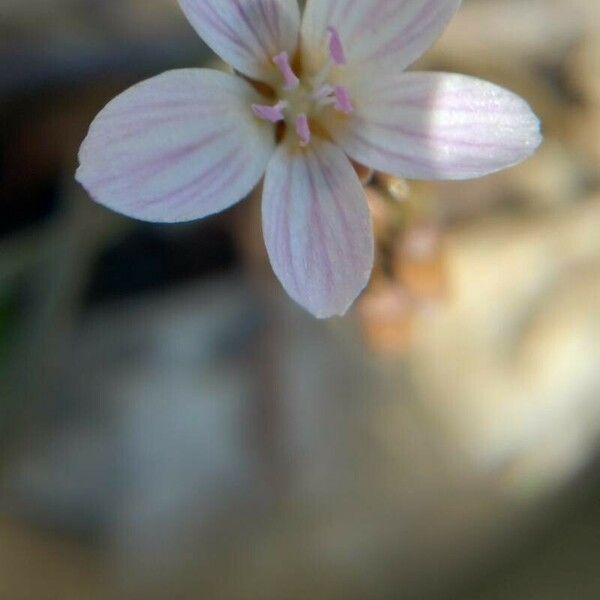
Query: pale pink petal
x=374, y=33
x=176, y=147
x=247, y=34
x=436, y=126
x=317, y=226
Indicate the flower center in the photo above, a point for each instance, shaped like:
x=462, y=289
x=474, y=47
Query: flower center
x=302, y=100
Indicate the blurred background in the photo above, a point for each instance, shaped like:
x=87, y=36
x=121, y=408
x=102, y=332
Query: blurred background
x=173, y=426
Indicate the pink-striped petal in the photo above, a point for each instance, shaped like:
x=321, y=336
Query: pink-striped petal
x=374, y=33
x=436, y=126
x=176, y=147
x=247, y=34
x=317, y=226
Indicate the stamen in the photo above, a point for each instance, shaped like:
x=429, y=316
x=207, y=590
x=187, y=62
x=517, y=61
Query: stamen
x=336, y=48
x=283, y=64
x=303, y=130
x=274, y=114
x=343, y=101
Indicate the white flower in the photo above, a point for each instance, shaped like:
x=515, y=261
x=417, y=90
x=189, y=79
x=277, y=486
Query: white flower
x=192, y=142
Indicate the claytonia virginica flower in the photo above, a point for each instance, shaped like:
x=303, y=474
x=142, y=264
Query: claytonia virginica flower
x=309, y=92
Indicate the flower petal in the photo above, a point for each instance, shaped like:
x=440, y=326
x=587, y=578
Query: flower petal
x=247, y=34
x=375, y=33
x=437, y=126
x=317, y=226
x=176, y=147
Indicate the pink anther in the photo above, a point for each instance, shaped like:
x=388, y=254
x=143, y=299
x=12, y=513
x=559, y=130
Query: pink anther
x=283, y=64
x=343, y=101
x=274, y=114
x=336, y=48
x=303, y=130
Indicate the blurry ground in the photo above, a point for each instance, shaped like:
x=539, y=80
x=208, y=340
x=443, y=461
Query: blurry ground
x=173, y=427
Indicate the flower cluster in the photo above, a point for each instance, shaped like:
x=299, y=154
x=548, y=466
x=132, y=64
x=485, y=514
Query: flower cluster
x=310, y=92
